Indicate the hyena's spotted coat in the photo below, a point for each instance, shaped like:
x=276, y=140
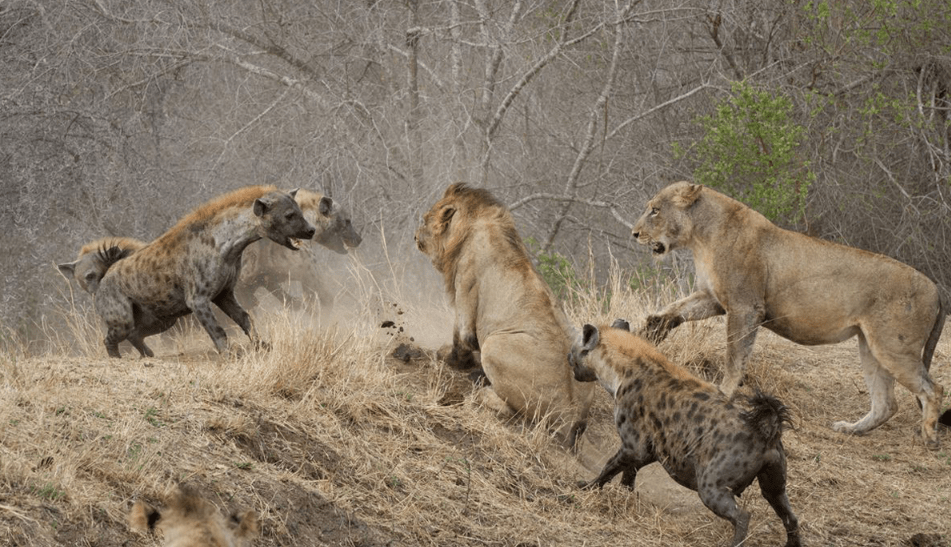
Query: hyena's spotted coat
x=665, y=414
x=195, y=263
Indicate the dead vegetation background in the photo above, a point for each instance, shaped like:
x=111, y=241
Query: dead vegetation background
x=334, y=441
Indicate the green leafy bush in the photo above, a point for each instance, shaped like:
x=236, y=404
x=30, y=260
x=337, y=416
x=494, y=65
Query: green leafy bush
x=556, y=269
x=748, y=151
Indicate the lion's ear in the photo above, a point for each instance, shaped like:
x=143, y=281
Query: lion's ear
x=589, y=337
x=453, y=188
x=688, y=195
x=446, y=215
x=621, y=324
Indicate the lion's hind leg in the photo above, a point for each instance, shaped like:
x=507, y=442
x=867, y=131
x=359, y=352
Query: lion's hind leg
x=902, y=360
x=487, y=397
x=881, y=389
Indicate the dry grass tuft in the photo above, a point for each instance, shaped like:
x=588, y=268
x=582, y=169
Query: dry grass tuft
x=334, y=441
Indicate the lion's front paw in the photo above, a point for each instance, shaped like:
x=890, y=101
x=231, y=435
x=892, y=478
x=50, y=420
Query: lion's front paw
x=928, y=438
x=461, y=359
x=658, y=327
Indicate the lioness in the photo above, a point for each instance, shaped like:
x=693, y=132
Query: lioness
x=192, y=521
x=504, y=310
x=804, y=289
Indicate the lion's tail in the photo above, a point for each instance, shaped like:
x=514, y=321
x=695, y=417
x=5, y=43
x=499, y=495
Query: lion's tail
x=928, y=352
x=768, y=417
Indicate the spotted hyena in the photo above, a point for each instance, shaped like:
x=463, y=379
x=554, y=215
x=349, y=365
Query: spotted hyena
x=189, y=520
x=665, y=414
x=196, y=263
x=96, y=257
x=267, y=265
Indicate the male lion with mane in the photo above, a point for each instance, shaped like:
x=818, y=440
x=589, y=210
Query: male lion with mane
x=504, y=310
x=804, y=289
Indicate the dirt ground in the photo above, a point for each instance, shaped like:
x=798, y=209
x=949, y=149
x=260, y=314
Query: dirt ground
x=362, y=436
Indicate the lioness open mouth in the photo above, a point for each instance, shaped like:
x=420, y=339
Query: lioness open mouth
x=658, y=248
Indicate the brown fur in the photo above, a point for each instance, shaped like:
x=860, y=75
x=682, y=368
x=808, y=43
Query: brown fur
x=503, y=309
x=665, y=414
x=194, y=264
x=267, y=264
x=96, y=257
x=191, y=521
x=804, y=289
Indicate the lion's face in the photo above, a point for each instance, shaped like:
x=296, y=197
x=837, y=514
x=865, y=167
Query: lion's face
x=433, y=229
x=666, y=224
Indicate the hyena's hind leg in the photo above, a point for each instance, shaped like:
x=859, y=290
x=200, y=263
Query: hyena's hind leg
x=772, y=484
x=147, y=325
x=116, y=312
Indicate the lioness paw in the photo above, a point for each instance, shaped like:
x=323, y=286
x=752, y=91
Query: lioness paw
x=658, y=327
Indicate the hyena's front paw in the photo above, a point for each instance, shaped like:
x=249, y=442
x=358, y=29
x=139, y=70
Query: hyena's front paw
x=658, y=327
x=261, y=345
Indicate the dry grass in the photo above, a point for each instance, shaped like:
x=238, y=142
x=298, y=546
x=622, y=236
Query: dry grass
x=335, y=442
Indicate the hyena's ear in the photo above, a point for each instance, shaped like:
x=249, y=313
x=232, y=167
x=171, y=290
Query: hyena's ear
x=262, y=205
x=589, y=337
x=621, y=324
x=325, y=206
x=143, y=517
x=687, y=196
x=68, y=269
x=245, y=525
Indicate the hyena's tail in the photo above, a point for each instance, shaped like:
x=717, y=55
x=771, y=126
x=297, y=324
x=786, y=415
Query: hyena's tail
x=768, y=417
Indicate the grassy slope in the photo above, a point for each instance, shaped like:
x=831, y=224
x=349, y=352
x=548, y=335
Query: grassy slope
x=335, y=442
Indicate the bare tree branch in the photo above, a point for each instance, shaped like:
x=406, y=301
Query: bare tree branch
x=573, y=199
x=596, y=112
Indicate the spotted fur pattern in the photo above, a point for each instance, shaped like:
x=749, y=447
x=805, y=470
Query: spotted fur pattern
x=704, y=442
x=194, y=264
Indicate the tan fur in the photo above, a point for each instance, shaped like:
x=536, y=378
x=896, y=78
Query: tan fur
x=191, y=521
x=503, y=309
x=194, y=264
x=267, y=264
x=665, y=414
x=93, y=260
x=804, y=289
